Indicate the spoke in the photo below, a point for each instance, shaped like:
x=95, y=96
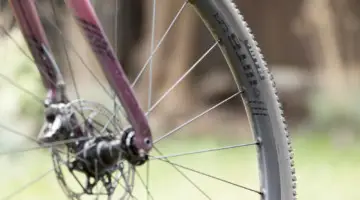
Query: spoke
x=69, y=141
x=30, y=58
x=71, y=46
x=124, y=187
x=114, y=117
x=100, y=190
x=151, y=50
x=181, y=78
x=92, y=120
x=211, y=176
x=75, y=155
x=116, y=27
x=195, y=118
x=205, y=151
x=17, y=133
x=12, y=195
x=150, y=86
x=67, y=42
x=97, y=178
x=21, y=151
x=41, y=70
x=75, y=177
x=147, y=180
x=105, y=127
x=89, y=70
x=118, y=183
x=159, y=44
x=183, y=174
x=35, y=97
x=127, y=185
x=131, y=195
x=67, y=59
x=100, y=124
x=144, y=184
x=116, y=47
x=48, y=145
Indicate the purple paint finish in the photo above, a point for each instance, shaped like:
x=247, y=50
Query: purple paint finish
x=34, y=34
x=90, y=25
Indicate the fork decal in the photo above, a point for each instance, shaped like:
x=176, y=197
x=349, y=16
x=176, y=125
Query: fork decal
x=96, y=39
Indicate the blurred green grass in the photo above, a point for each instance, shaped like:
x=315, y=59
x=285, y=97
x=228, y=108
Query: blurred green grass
x=325, y=170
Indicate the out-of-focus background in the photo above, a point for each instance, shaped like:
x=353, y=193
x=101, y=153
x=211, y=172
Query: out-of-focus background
x=311, y=46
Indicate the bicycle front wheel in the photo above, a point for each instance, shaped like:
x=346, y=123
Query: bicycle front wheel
x=270, y=146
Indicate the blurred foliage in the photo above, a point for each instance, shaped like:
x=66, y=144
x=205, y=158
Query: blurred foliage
x=30, y=77
x=23, y=111
x=338, y=115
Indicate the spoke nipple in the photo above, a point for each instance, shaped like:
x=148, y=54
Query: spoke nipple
x=258, y=141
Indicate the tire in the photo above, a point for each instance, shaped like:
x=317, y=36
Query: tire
x=259, y=96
